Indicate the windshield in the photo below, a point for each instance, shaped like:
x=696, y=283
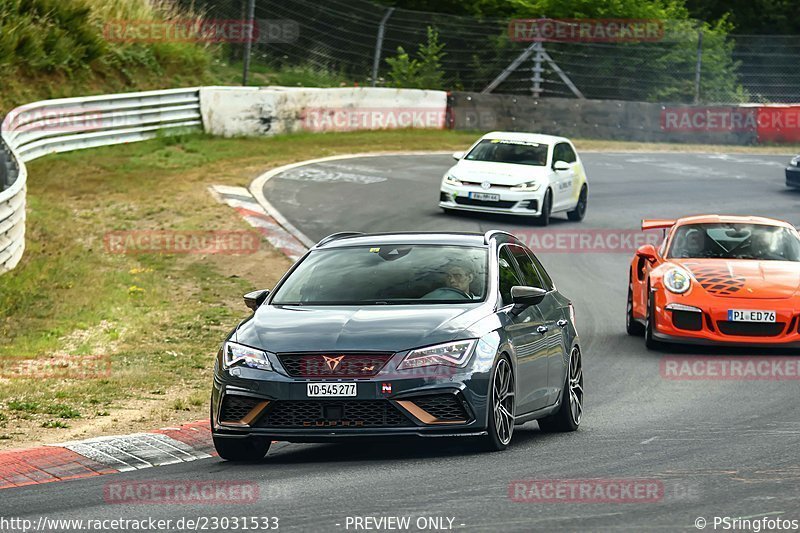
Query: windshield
x=394, y=274
x=735, y=241
x=516, y=152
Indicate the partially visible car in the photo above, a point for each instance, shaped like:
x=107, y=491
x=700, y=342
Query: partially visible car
x=398, y=335
x=793, y=173
x=514, y=173
x=725, y=280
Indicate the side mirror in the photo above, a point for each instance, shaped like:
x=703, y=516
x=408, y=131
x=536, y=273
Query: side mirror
x=254, y=299
x=527, y=296
x=458, y=155
x=560, y=166
x=648, y=251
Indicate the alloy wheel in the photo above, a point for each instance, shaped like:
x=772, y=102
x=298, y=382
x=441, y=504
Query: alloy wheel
x=575, y=386
x=503, y=395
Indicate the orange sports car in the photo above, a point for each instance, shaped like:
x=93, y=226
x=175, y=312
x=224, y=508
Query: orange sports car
x=725, y=280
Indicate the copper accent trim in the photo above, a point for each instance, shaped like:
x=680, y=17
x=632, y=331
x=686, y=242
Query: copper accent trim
x=424, y=416
x=250, y=417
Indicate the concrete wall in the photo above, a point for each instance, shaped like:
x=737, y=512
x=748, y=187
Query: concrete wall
x=234, y=111
x=606, y=119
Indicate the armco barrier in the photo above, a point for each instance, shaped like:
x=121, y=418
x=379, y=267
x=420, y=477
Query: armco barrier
x=51, y=126
x=600, y=119
x=41, y=128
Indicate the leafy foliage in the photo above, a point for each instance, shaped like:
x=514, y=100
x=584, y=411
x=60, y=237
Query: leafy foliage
x=422, y=72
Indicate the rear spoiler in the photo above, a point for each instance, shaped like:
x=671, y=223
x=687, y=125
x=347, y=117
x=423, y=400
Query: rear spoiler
x=657, y=224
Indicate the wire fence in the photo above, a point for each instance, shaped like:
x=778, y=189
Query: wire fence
x=683, y=64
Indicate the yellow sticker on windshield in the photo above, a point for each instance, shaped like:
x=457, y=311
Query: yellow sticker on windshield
x=374, y=250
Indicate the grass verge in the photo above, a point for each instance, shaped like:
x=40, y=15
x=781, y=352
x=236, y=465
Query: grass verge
x=155, y=320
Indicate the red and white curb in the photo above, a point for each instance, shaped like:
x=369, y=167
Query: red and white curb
x=254, y=214
x=105, y=455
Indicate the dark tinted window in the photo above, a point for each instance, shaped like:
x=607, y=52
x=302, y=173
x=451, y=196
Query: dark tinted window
x=508, y=275
x=546, y=279
x=391, y=274
x=504, y=151
x=564, y=152
x=530, y=275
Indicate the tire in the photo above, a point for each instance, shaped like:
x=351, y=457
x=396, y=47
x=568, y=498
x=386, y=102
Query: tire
x=547, y=207
x=242, y=449
x=633, y=326
x=500, y=428
x=578, y=214
x=649, y=339
x=569, y=414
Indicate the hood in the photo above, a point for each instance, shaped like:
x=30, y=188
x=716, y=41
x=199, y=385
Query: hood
x=281, y=329
x=497, y=173
x=737, y=278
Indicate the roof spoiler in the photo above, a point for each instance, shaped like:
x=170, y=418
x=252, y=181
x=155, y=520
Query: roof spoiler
x=657, y=223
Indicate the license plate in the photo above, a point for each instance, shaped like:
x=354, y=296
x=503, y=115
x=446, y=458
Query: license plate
x=331, y=390
x=743, y=315
x=485, y=196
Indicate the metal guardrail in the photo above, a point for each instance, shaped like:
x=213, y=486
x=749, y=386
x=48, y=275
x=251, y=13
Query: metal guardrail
x=51, y=126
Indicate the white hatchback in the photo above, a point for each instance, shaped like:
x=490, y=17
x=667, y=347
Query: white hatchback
x=519, y=174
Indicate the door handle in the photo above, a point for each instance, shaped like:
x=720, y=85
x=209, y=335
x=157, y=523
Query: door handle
x=562, y=323
x=542, y=329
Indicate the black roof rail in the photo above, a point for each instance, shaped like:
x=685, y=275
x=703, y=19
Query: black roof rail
x=336, y=236
x=492, y=233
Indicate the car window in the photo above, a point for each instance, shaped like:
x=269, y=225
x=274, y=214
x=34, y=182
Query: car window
x=507, y=151
x=564, y=152
x=400, y=274
x=530, y=274
x=735, y=241
x=546, y=279
x=508, y=274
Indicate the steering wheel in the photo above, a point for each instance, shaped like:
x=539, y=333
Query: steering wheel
x=457, y=291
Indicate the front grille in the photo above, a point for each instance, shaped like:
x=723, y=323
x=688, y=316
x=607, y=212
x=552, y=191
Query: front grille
x=751, y=329
x=503, y=204
x=444, y=197
x=492, y=186
x=533, y=205
x=443, y=407
x=333, y=365
x=689, y=320
x=234, y=408
x=334, y=413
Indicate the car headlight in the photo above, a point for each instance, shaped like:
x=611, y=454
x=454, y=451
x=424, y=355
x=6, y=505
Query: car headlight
x=451, y=180
x=795, y=162
x=451, y=354
x=527, y=186
x=677, y=280
x=239, y=355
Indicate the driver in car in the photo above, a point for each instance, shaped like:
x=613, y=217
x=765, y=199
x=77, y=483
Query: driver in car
x=458, y=277
x=693, y=246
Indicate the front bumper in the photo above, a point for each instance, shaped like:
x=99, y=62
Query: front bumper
x=793, y=176
x=276, y=405
x=710, y=326
x=524, y=203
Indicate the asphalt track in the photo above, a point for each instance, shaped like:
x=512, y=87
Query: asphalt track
x=718, y=448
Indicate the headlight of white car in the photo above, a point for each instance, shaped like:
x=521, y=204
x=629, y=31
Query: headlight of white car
x=527, y=186
x=795, y=162
x=239, y=355
x=449, y=179
x=677, y=280
x=451, y=354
